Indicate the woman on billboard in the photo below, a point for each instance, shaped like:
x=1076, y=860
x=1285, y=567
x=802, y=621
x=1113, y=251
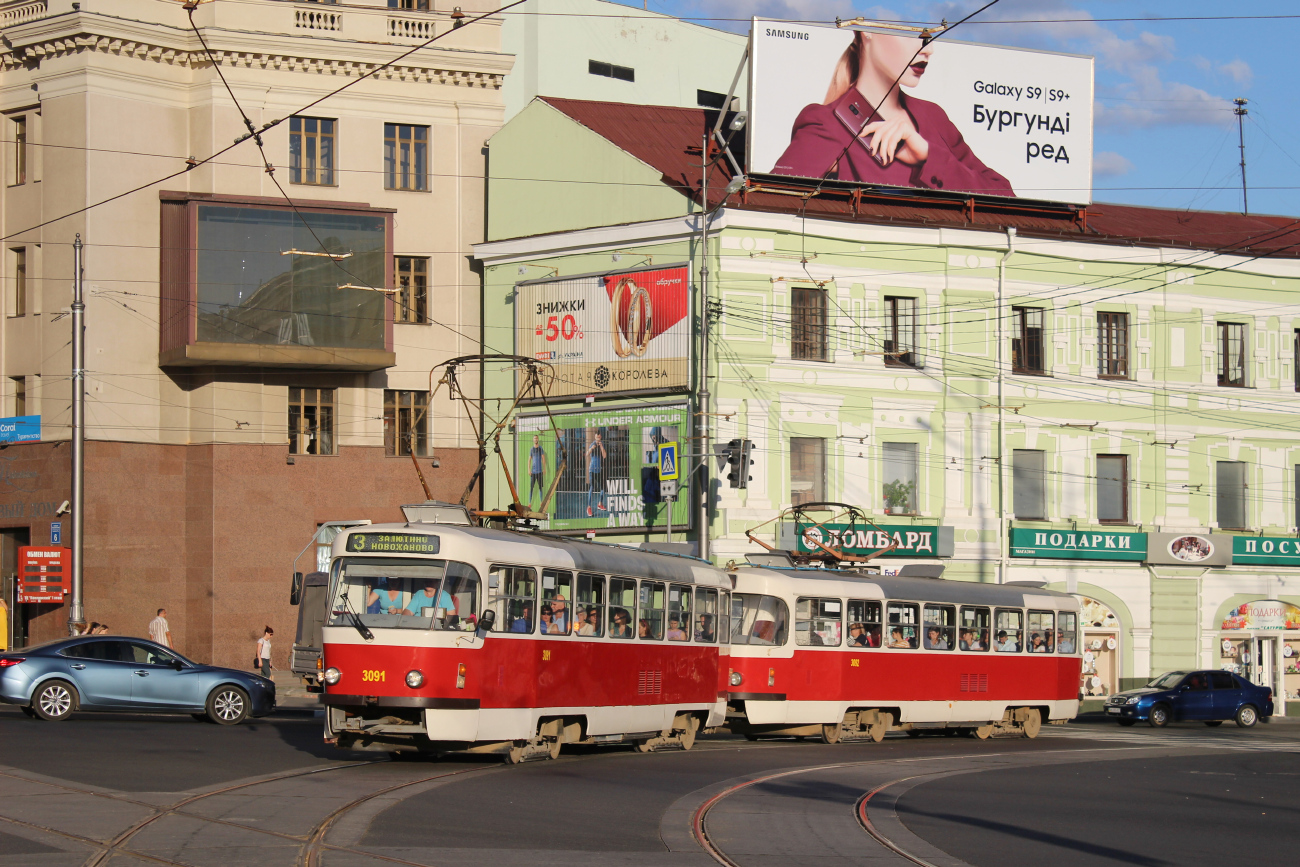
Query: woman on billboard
x=905, y=142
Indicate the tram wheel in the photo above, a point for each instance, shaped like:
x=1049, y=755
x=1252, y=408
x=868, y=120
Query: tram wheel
x=881, y=726
x=831, y=733
x=515, y=754
x=983, y=732
x=687, y=737
x=643, y=746
x=553, y=749
x=1033, y=722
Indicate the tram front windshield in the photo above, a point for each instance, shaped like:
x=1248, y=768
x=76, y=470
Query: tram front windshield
x=404, y=594
x=758, y=619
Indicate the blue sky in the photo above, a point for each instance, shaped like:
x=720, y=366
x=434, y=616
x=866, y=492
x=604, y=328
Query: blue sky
x=1165, y=132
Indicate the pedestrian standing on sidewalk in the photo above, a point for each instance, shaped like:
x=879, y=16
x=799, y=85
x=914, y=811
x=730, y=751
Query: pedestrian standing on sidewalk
x=159, y=631
x=263, y=656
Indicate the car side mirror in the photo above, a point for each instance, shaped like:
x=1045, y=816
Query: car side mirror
x=178, y=665
x=295, y=589
x=487, y=620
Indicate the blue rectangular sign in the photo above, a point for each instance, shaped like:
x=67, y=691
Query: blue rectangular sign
x=56, y=532
x=20, y=429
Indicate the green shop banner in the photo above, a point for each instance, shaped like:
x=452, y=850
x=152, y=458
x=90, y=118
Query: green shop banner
x=912, y=541
x=1077, y=544
x=610, y=479
x=1265, y=551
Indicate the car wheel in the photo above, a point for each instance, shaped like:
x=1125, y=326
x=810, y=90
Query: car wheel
x=1213, y=722
x=1247, y=716
x=1159, y=716
x=54, y=700
x=228, y=705
x=1126, y=722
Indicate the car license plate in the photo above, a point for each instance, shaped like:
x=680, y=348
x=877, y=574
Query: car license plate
x=1112, y=710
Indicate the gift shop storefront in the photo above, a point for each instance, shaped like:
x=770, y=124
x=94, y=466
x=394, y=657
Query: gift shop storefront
x=1260, y=640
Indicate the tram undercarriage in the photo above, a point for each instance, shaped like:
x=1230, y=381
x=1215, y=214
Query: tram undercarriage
x=872, y=724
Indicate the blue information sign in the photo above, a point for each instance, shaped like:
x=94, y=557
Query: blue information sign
x=56, y=532
x=20, y=429
x=667, y=461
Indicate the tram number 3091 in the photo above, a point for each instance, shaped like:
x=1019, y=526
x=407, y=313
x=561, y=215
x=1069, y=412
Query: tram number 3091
x=370, y=674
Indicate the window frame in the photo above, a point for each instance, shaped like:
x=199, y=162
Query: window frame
x=624, y=584
x=411, y=301
x=1049, y=631
x=496, y=595
x=1123, y=483
x=817, y=483
x=914, y=624
x=947, y=631
x=1019, y=476
x=414, y=178
x=585, y=600
x=323, y=146
x=896, y=321
x=319, y=435
x=646, y=611
x=400, y=420
x=864, y=606
x=705, y=608
x=18, y=273
x=818, y=610
x=1243, y=485
x=1113, y=337
x=913, y=452
x=1072, y=633
x=18, y=168
x=1023, y=345
x=682, y=610
x=1019, y=614
x=983, y=633
x=20, y=395
x=809, y=329
x=561, y=580
x=1223, y=342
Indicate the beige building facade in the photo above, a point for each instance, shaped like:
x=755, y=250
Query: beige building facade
x=253, y=367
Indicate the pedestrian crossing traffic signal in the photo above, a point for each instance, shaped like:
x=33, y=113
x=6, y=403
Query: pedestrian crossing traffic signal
x=739, y=461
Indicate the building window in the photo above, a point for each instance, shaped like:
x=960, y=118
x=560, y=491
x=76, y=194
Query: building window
x=807, y=470
x=1027, y=340
x=18, y=170
x=406, y=157
x=1028, y=485
x=311, y=421
x=808, y=324
x=414, y=5
x=900, y=345
x=406, y=422
x=611, y=70
x=1112, y=345
x=311, y=150
x=899, y=478
x=1230, y=495
x=18, y=272
x=1112, y=489
x=1232, y=354
x=20, y=395
x=412, y=289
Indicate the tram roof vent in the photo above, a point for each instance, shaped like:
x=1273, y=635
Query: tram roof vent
x=436, y=512
x=1031, y=583
x=779, y=559
x=921, y=570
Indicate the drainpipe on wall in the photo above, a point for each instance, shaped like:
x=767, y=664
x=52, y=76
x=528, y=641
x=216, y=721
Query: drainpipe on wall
x=1003, y=535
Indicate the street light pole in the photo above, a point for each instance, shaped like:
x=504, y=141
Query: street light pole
x=702, y=402
x=76, y=612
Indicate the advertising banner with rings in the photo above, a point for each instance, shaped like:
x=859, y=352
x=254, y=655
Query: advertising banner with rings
x=627, y=331
x=964, y=118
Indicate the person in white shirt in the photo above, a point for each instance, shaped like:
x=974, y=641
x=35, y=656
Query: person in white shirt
x=159, y=631
x=264, y=651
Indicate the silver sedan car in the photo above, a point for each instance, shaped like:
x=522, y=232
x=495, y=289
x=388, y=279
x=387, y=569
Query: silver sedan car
x=133, y=675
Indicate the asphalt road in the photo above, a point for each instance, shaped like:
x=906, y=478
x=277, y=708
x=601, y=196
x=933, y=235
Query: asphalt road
x=176, y=791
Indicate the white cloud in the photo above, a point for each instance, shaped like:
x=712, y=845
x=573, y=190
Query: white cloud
x=1146, y=100
x=1108, y=164
x=1239, y=71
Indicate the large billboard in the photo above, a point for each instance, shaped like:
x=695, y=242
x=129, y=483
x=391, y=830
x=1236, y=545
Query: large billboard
x=966, y=118
x=609, y=333
x=611, y=474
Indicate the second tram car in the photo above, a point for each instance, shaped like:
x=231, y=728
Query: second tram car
x=447, y=636
x=845, y=655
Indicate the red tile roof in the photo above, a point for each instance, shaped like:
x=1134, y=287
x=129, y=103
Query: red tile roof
x=668, y=138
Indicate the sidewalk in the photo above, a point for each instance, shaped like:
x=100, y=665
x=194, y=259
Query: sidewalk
x=290, y=692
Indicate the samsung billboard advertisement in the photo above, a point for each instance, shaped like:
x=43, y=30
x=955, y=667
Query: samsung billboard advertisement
x=964, y=118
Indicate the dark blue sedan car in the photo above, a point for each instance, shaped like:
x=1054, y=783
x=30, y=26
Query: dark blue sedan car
x=134, y=675
x=1207, y=696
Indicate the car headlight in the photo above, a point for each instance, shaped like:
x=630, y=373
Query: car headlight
x=415, y=679
x=331, y=675
x=736, y=679
x=1133, y=699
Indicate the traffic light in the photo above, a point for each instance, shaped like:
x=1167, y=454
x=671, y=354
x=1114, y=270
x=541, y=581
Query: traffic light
x=739, y=461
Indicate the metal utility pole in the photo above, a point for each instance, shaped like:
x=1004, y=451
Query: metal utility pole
x=703, y=403
x=76, y=612
x=1241, y=111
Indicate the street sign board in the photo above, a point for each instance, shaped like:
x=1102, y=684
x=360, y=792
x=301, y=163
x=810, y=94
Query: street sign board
x=56, y=532
x=41, y=572
x=20, y=429
x=668, y=461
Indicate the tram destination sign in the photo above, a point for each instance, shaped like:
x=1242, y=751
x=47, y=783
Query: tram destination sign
x=857, y=540
x=1077, y=544
x=391, y=543
x=1265, y=551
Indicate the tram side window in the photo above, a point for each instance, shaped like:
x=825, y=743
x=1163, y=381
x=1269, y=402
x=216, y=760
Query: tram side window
x=1042, y=634
x=555, y=617
x=904, y=618
x=864, y=623
x=974, y=628
x=723, y=623
x=817, y=622
x=679, y=613
x=514, y=597
x=1066, y=631
x=622, y=607
x=1009, y=626
x=589, y=604
x=650, y=611
x=706, y=615
x=940, y=627
x=758, y=619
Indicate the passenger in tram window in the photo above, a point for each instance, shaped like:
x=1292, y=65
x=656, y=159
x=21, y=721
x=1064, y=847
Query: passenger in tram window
x=897, y=640
x=590, y=622
x=873, y=635
x=620, y=623
x=1047, y=640
x=547, y=625
x=524, y=621
x=643, y=628
x=967, y=637
x=934, y=639
x=857, y=635
x=675, y=631
x=560, y=614
x=705, y=632
x=1006, y=644
x=1063, y=643
x=1036, y=644
x=424, y=598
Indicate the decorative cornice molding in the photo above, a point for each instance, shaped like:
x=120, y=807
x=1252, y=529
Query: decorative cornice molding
x=30, y=55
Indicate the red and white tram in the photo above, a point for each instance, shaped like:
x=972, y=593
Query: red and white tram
x=447, y=636
x=847, y=655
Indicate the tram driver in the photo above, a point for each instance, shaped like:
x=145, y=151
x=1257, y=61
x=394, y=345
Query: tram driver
x=423, y=598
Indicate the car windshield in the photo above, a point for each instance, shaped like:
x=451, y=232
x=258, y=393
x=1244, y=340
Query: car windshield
x=395, y=593
x=1168, y=680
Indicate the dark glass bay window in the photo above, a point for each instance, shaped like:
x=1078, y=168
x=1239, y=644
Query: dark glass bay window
x=258, y=284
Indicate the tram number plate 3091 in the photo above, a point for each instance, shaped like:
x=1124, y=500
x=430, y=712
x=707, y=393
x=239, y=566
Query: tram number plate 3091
x=370, y=674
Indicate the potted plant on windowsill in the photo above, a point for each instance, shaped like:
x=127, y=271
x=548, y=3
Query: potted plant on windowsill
x=898, y=497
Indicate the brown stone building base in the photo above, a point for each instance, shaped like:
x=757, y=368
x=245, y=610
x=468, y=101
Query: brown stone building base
x=208, y=532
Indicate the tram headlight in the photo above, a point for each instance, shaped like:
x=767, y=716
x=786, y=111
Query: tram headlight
x=415, y=679
x=331, y=675
x=735, y=679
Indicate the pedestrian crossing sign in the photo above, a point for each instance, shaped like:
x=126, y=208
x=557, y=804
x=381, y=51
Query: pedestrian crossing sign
x=667, y=461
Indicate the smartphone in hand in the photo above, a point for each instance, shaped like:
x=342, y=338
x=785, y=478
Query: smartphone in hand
x=853, y=113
